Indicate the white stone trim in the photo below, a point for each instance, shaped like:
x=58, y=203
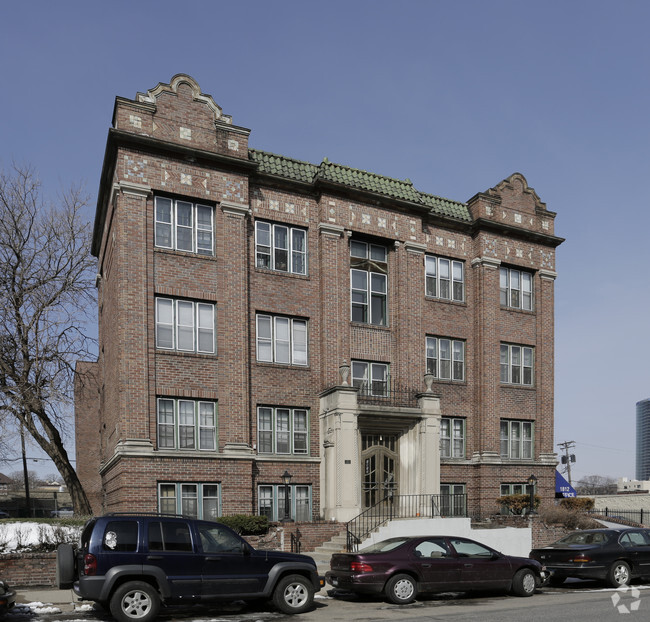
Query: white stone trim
x=488, y=262
x=128, y=187
x=326, y=228
x=235, y=209
x=548, y=274
x=415, y=247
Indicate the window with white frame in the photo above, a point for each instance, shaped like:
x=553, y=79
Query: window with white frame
x=453, y=500
x=184, y=226
x=186, y=424
x=517, y=439
x=196, y=500
x=280, y=247
x=446, y=358
x=271, y=502
x=516, y=288
x=282, y=430
x=185, y=326
x=371, y=378
x=368, y=283
x=452, y=437
x=281, y=339
x=444, y=278
x=516, y=364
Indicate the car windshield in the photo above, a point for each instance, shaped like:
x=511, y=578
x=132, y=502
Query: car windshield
x=585, y=537
x=384, y=545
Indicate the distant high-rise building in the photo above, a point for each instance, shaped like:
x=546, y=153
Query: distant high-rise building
x=643, y=439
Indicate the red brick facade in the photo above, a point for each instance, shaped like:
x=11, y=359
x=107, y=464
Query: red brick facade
x=175, y=142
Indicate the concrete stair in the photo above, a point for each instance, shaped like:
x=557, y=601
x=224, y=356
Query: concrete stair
x=335, y=545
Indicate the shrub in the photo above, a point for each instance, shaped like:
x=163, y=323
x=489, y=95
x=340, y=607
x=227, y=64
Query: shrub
x=516, y=504
x=246, y=525
x=571, y=519
x=579, y=504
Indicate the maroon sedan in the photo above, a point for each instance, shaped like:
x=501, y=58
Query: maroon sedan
x=401, y=568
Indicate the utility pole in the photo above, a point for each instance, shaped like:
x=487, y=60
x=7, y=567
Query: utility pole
x=568, y=458
x=25, y=472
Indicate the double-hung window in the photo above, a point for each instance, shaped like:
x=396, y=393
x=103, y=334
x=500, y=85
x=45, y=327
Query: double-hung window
x=281, y=339
x=444, y=278
x=517, y=439
x=195, y=500
x=282, y=430
x=452, y=438
x=271, y=502
x=371, y=378
x=445, y=358
x=516, y=364
x=184, y=226
x=185, y=326
x=368, y=283
x=280, y=247
x=186, y=424
x=513, y=489
x=516, y=289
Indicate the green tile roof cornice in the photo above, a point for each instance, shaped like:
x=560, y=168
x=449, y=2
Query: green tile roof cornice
x=401, y=190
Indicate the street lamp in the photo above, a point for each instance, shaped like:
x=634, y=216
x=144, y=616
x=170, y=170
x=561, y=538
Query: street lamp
x=286, y=480
x=532, y=480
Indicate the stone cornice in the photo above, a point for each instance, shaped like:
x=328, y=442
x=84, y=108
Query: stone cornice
x=128, y=187
x=235, y=209
x=326, y=228
x=488, y=262
x=415, y=247
x=549, y=275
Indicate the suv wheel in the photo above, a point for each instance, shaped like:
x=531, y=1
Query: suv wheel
x=65, y=574
x=293, y=594
x=135, y=600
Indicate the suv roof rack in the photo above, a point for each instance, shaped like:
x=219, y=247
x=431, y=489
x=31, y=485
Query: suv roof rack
x=139, y=513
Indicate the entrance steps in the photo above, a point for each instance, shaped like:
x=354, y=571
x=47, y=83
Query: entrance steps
x=336, y=544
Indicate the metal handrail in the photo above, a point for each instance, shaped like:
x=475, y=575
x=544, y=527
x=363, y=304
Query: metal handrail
x=402, y=506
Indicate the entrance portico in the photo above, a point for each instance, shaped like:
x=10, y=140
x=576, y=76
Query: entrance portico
x=369, y=450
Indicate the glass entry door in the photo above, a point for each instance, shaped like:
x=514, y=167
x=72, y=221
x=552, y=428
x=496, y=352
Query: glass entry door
x=379, y=461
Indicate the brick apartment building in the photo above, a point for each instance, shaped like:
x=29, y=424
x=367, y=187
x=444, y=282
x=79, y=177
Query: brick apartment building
x=261, y=315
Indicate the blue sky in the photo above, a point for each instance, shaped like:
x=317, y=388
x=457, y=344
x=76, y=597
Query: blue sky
x=454, y=95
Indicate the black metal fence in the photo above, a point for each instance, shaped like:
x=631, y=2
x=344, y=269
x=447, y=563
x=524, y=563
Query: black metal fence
x=385, y=396
x=630, y=516
x=403, y=506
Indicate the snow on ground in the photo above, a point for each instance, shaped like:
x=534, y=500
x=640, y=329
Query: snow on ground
x=29, y=535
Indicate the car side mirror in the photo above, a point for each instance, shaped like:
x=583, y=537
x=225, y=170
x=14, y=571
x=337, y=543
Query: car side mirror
x=495, y=555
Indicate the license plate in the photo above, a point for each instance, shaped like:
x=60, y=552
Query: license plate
x=335, y=581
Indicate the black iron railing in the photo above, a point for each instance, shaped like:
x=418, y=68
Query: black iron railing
x=384, y=396
x=295, y=541
x=630, y=516
x=403, y=506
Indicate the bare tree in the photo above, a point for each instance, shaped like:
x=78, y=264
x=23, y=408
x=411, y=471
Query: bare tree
x=46, y=295
x=596, y=485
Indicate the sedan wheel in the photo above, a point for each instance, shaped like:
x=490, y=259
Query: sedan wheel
x=619, y=574
x=401, y=589
x=524, y=582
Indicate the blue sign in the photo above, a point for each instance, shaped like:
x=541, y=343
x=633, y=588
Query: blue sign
x=562, y=487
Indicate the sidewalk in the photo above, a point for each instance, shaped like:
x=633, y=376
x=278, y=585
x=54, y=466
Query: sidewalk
x=48, y=600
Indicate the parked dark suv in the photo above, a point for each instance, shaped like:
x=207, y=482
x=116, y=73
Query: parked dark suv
x=133, y=564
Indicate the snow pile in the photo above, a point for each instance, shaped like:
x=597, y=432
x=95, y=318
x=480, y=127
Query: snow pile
x=31, y=536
